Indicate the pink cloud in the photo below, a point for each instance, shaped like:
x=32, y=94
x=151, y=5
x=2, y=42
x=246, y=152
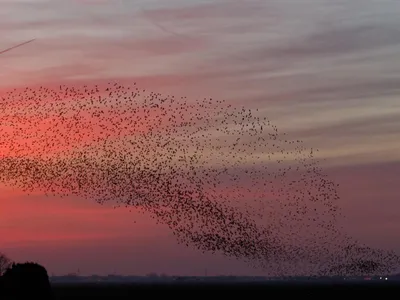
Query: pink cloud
x=41, y=219
x=207, y=11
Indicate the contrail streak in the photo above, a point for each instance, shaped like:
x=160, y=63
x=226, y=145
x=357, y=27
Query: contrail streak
x=161, y=27
x=24, y=43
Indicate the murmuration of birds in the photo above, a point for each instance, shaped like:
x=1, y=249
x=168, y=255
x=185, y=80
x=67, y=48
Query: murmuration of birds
x=223, y=178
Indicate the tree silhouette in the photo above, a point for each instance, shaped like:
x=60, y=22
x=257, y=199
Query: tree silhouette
x=5, y=263
x=27, y=278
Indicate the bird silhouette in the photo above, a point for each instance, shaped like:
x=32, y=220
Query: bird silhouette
x=223, y=178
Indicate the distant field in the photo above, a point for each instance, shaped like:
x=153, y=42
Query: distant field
x=131, y=290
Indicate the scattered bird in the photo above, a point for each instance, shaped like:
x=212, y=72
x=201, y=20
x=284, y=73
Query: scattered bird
x=223, y=178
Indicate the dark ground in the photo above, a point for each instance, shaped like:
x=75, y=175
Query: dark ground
x=132, y=291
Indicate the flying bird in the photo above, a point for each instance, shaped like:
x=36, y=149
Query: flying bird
x=222, y=178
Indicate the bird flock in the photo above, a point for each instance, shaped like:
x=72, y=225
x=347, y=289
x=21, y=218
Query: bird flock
x=223, y=178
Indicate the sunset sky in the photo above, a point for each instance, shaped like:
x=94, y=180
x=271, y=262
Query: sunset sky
x=327, y=72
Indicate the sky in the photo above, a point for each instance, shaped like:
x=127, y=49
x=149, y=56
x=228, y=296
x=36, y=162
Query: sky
x=326, y=72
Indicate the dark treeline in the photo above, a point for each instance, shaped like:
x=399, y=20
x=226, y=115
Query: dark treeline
x=23, y=280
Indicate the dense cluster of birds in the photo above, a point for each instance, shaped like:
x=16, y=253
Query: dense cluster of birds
x=223, y=178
